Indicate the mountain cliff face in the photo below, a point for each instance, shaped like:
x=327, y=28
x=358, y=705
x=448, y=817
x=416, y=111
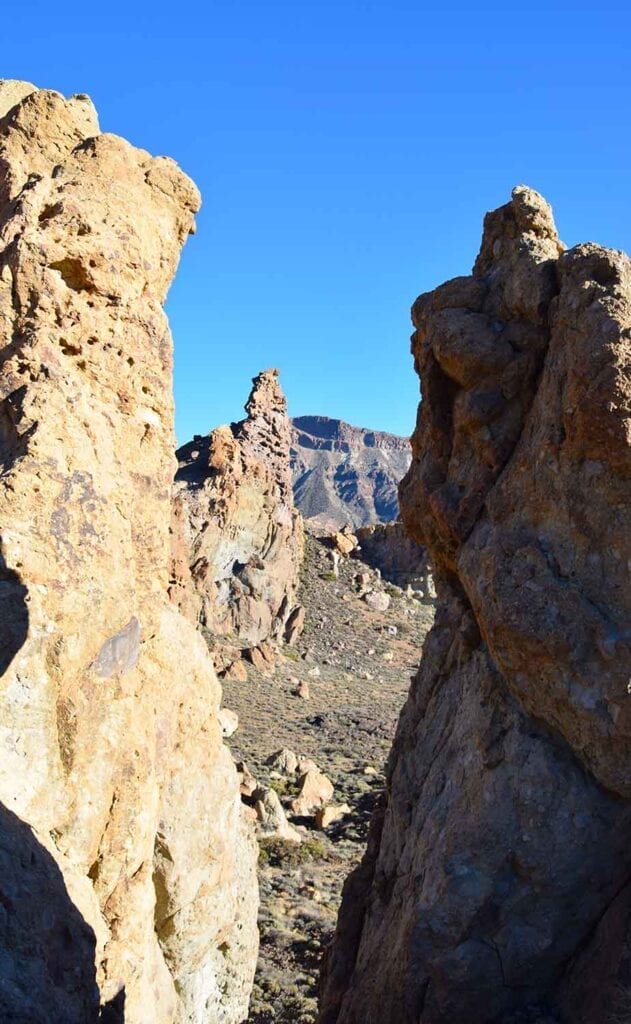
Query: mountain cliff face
x=242, y=534
x=497, y=879
x=346, y=475
x=128, y=879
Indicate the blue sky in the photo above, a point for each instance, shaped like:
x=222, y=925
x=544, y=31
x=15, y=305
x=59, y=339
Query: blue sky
x=346, y=153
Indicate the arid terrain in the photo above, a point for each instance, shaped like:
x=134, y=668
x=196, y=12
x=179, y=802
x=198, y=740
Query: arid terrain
x=357, y=663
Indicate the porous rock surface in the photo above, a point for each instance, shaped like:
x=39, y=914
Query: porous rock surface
x=495, y=887
x=241, y=532
x=128, y=888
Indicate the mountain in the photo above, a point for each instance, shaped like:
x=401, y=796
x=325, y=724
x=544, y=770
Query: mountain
x=345, y=474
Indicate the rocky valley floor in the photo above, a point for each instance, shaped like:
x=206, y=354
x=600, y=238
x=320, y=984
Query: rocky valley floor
x=356, y=663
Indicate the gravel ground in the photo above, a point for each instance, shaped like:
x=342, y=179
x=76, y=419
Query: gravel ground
x=346, y=726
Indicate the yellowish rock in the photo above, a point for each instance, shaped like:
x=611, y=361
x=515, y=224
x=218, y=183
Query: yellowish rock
x=119, y=803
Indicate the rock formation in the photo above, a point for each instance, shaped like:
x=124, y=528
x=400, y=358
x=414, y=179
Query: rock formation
x=346, y=475
x=496, y=883
x=242, y=534
x=128, y=878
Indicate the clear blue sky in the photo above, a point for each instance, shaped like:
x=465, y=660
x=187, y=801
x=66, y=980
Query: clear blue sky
x=346, y=152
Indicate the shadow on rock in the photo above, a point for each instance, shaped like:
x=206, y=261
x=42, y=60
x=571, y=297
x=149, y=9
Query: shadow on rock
x=47, y=949
x=13, y=615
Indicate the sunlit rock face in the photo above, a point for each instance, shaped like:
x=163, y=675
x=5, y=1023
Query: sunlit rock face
x=128, y=877
x=495, y=887
x=234, y=512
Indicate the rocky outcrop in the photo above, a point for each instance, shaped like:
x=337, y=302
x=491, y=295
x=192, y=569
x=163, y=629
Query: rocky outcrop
x=399, y=558
x=496, y=883
x=127, y=874
x=242, y=534
x=344, y=475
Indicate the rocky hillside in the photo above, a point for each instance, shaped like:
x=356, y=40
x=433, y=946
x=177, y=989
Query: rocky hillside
x=495, y=887
x=128, y=884
x=238, y=535
x=344, y=474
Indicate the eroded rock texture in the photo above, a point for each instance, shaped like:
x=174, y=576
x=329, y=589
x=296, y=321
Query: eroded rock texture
x=495, y=887
x=127, y=877
x=235, y=511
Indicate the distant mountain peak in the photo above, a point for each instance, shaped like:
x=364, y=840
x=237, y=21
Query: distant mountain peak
x=346, y=474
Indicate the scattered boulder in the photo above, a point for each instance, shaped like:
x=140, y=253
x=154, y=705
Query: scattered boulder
x=229, y=722
x=507, y=812
x=315, y=790
x=325, y=816
x=236, y=671
x=262, y=657
x=284, y=761
x=271, y=816
x=388, y=548
x=247, y=782
x=377, y=600
x=343, y=542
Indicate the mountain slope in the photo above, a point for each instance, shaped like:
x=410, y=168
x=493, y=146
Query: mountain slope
x=345, y=474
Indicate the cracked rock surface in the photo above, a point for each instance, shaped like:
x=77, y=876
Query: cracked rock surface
x=242, y=536
x=495, y=886
x=128, y=879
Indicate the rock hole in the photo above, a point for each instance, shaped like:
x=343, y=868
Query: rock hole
x=73, y=274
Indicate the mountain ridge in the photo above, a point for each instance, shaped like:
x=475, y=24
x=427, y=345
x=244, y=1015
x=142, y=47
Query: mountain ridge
x=344, y=474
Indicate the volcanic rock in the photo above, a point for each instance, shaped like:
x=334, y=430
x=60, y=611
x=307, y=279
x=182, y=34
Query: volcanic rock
x=128, y=877
x=495, y=887
x=243, y=535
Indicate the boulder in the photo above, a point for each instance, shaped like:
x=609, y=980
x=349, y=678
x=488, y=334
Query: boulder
x=495, y=886
x=343, y=543
x=284, y=761
x=228, y=721
x=325, y=816
x=272, y=818
x=315, y=790
x=377, y=600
